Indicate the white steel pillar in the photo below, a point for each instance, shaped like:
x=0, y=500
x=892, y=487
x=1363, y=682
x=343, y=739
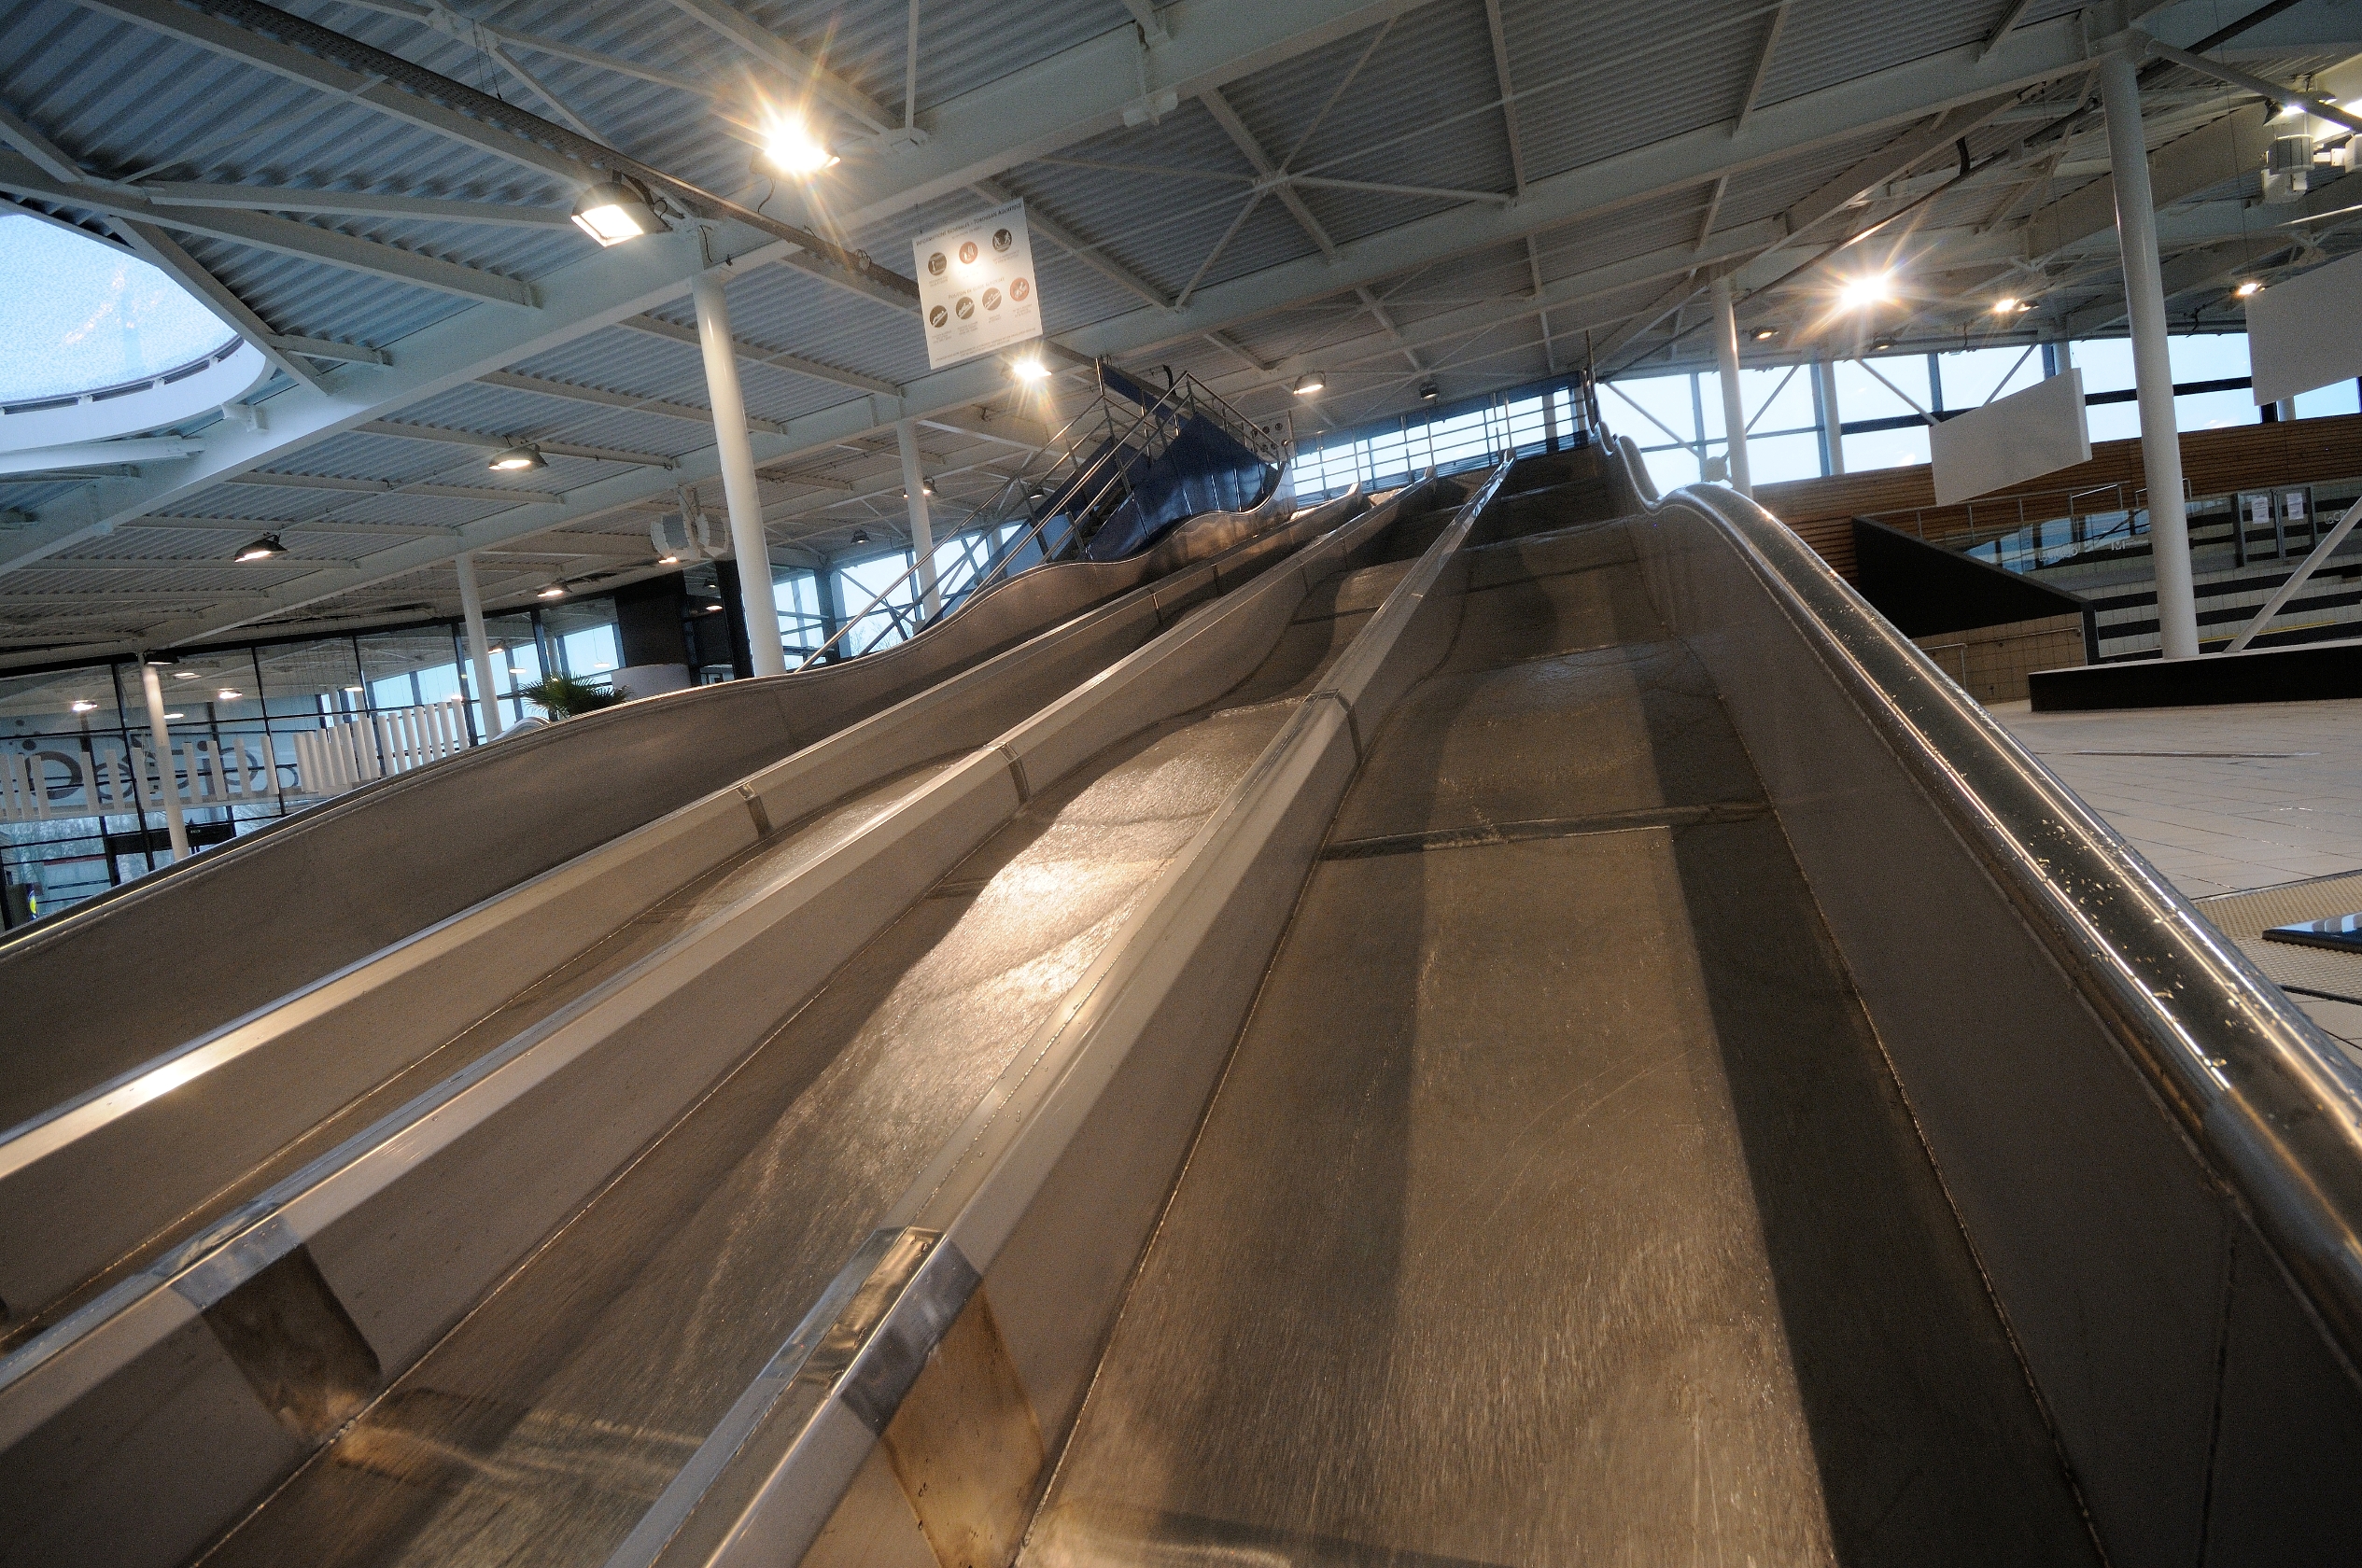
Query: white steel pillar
x=2152, y=371
x=914, y=486
x=1734, y=406
x=479, y=644
x=738, y=488
x=1824, y=376
x=167, y=773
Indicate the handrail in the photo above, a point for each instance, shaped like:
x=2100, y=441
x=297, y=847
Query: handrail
x=2271, y=1105
x=1113, y=449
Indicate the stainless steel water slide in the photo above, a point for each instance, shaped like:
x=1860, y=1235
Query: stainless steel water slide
x=1536, y=1031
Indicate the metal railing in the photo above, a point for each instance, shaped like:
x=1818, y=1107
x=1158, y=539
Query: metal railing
x=1079, y=477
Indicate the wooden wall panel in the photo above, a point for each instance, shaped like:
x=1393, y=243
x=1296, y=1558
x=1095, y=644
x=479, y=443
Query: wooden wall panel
x=2213, y=462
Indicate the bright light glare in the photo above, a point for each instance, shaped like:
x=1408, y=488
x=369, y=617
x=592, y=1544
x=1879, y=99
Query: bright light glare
x=610, y=223
x=226, y=694
x=668, y=560
x=1864, y=290
x=2247, y=290
x=86, y=708
x=552, y=592
x=793, y=150
x=2006, y=306
x=1029, y=369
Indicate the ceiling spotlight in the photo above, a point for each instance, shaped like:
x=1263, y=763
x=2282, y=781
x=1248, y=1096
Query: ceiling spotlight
x=262, y=549
x=1766, y=334
x=176, y=716
x=1864, y=289
x=184, y=675
x=611, y=212
x=555, y=591
x=226, y=694
x=861, y=536
x=790, y=147
x=1429, y=391
x=1308, y=384
x=516, y=459
x=926, y=485
x=85, y=707
x=668, y=560
x=161, y=661
x=2009, y=304
x=1882, y=345
x=2247, y=289
x=353, y=689
x=1029, y=368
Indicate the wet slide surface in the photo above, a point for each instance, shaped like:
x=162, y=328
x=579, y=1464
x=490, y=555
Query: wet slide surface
x=772, y=862
x=549, y=1419
x=1557, y=1205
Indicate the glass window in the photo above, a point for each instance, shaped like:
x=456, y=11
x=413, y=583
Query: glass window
x=1671, y=466
x=83, y=316
x=2207, y=357
x=2113, y=421
x=1773, y=458
x=1776, y=401
x=1665, y=406
x=2106, y=364
x=1862, y=395
x=517, y=663
x=1884, y=449
x=796, y=596
x=887, y=620
x=407, y=668
x=2344, y=397
x=583, y=633
x=2215, y=411
x=1974, y=377
x=307, y=680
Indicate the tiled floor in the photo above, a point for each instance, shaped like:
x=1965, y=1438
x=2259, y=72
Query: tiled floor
x=2222, y=800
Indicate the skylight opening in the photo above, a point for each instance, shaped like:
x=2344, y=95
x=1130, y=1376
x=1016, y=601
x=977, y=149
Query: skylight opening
x=84, y=317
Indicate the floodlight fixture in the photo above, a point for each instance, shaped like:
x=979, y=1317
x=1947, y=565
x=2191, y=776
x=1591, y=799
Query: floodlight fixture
x=1766, y=334
x=790, y=147
x=611, y=212
x=1865, y=289
x=861, y=536
x=1309, y=384
x=1429, y=391
x=262, y=549
x=555, y=591
x=84, y=706
x=2247, y=289
x=1029, y=367
x=516, y=459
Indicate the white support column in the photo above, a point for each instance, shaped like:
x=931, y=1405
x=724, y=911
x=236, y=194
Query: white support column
x=479, y=644
x=1824, y=376
x=914, y=486
x=1734, y=406
x=2152, y=371
x=738, y=488
x=160, y=736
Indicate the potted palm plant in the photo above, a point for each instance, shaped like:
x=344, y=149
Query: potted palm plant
x=562, y=696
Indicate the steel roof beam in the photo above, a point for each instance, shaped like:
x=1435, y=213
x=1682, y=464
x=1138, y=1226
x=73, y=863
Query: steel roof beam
x=19, y=176
x=161, y=251
x=755, y=353
x=514, y=497
x=237, y=43
x=351, y=204
x=567, y=391
x=1084, y=251
x=452, y=25
x=1089, y=89
x=774, y=51
x=252, y=525
x=501, y=444
x=1762, y=69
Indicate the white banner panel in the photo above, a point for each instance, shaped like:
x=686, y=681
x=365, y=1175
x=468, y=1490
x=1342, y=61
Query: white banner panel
x=2306, y=333
x=976, y=286
x=2024, y=436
